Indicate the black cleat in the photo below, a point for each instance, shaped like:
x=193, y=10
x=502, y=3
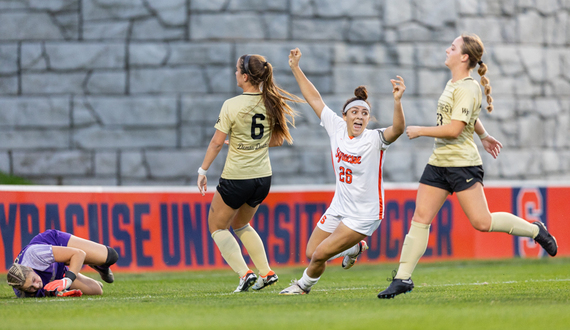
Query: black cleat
x=105, y=273
x=547, y=241
x=246, y=281
x=397, y=287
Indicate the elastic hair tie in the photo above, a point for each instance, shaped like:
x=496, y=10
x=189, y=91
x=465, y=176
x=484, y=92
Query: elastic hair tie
x=480, y=62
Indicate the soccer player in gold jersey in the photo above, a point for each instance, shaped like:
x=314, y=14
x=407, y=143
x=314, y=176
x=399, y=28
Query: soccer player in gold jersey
x=456, y=166
x=254, y=120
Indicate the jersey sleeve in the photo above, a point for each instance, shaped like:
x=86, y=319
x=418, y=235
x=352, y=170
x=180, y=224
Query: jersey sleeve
x=384, y=144
x=224, y=122
x=464, y=100
x=330, y=121
x=39, y=256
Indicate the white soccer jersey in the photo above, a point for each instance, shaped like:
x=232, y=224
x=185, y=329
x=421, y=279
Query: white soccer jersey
x=357, y=162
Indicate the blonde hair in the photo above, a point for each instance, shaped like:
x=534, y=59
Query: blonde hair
x=473, y=46
x=17, y=275
x=260, y=73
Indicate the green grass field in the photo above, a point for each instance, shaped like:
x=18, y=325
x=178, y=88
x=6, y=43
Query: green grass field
x=506, y=294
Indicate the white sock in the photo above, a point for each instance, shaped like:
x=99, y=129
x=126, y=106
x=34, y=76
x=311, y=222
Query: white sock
x=307, y=282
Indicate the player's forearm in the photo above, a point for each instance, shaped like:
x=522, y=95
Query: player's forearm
x=309, y=91
x=399, y=120
x=211, y=154
x=76, y=261
x=444, y=131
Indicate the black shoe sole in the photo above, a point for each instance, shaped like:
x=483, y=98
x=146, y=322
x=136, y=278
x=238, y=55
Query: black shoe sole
x=391, y=295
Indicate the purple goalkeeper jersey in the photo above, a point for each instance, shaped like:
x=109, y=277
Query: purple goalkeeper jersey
x=38, y=255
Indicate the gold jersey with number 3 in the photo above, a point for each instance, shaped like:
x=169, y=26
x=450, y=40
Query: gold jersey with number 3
x=244, y=119
x=460, y=100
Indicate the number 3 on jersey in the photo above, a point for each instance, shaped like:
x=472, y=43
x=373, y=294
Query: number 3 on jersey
x=345, y=175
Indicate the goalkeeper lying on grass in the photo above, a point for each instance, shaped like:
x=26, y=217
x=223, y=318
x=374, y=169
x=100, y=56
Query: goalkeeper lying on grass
x=49, y=266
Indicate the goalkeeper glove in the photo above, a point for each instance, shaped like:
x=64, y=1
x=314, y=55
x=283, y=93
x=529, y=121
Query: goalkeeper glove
x=63, y=284
x=58, y=285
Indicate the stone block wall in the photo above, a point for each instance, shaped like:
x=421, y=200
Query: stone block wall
x=126, y=92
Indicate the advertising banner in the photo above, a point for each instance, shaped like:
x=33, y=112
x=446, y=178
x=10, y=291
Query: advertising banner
x=162, y=229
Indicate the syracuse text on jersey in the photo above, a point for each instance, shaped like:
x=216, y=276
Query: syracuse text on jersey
x=347, y=158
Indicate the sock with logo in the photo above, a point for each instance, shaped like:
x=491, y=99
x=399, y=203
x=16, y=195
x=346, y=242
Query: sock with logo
x=415, y=245
x=230, y=250
x=348, y=252
x=511, y=224
x=307, y=282
x=254, y=246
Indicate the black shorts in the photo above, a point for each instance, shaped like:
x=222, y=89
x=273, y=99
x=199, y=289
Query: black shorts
x=452, y=179
x=235, y=193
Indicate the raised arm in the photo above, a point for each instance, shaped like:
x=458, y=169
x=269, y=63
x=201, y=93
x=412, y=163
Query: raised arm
x=310, y=93
x=393, y=132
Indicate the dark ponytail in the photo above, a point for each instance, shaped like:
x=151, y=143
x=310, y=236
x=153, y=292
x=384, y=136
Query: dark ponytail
x=360, y=93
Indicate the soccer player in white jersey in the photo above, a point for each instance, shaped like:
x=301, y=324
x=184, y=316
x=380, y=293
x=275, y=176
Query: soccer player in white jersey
x=455, y=165
x=358, y=154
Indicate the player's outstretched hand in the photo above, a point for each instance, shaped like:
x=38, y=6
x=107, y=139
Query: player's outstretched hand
x=294, y=57
x=413, y=132
x=398, y=87
x=58, y=285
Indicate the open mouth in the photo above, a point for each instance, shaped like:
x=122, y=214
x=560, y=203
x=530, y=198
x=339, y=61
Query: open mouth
x=357, y=126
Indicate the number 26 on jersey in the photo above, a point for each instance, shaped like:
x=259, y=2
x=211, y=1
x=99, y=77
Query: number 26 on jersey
x=345, y=175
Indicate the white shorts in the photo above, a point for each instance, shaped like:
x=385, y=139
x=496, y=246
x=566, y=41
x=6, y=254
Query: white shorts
x=329, y=222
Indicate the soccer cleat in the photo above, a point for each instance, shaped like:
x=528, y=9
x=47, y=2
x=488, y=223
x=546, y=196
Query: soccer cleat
x=265, y=281
x=105, y=273
x=70, y=293
x=397, y=287
x=547, y=241
x=246, y=281
x=294, y=289
x=348, y=261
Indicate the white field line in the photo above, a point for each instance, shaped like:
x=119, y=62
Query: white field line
x=423, y=286
x=318, y=290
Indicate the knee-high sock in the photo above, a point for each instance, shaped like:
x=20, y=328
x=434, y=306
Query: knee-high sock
x=255, y=248
x=511, y=224
x=230, y=251
x=415, y=245
x=348, y=252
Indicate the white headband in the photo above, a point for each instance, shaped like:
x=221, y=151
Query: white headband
x=354, y=104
